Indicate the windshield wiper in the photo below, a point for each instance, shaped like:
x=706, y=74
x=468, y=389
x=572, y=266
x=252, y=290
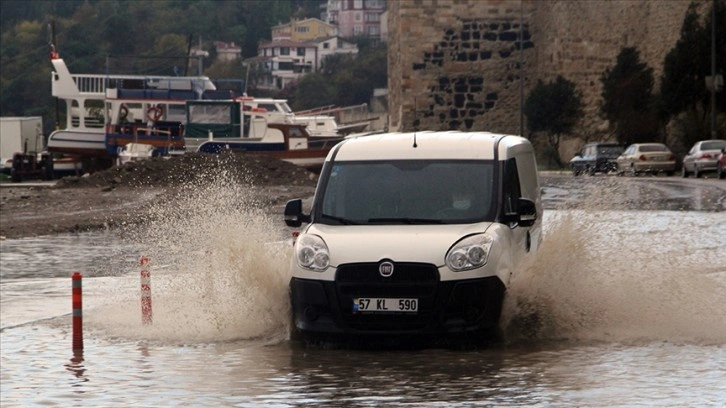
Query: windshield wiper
x=406, y=220
x=341, y=220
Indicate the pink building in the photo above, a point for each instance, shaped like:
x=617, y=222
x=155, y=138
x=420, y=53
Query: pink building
x=357, y=18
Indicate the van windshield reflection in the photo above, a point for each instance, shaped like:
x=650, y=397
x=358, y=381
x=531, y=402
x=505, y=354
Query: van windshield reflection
x=408, y=192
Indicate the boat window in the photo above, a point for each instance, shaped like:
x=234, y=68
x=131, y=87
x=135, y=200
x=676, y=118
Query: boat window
x=210, y=114
x=409, y=192
x=269, y=107
x=94, y=115
x=296, y=132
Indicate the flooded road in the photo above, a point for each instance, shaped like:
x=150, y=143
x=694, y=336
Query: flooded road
x=624, y=306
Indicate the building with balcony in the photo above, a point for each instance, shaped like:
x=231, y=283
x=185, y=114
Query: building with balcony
x=357, y=18
x=283, y=62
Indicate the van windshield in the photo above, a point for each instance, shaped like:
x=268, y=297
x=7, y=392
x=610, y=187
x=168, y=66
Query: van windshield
x=408, y=192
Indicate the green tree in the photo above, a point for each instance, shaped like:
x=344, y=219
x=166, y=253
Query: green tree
x=553, y=108
x=683, y=93
x=343, y=80
x=313, y=90
x=627, y=99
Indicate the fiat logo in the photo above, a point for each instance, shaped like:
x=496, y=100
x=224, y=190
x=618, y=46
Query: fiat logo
x=385, y=269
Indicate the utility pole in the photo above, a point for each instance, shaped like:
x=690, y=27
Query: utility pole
x=713, y=70
x=521, y=67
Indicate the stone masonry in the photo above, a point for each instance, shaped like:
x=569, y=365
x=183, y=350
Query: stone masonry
x=456, y=64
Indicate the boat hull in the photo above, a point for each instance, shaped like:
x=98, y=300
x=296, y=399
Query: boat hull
x=78, y=142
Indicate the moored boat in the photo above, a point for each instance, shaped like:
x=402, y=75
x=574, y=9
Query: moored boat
x=230, y=125
x=106, y=112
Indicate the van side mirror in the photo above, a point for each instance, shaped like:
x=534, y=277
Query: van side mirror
x=294, y=216
x=527, y=212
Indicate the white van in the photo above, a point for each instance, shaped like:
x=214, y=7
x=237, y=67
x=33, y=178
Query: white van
x=414, y=234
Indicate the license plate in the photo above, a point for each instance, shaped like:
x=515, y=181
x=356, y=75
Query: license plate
x=382, y=305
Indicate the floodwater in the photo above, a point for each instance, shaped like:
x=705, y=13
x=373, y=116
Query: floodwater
x=622, y=307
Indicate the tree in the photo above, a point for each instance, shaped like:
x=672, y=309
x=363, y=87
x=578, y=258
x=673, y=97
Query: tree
x=313, y=90
x=553, y=108
x=344, y=79
x=683, y=92
x=627, y=99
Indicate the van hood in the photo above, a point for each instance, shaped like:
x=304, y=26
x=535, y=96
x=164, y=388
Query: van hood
x=399, y=243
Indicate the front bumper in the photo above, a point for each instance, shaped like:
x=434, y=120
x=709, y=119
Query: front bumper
x=325, y=308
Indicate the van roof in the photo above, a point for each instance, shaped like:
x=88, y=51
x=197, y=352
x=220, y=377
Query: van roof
x=429, y=145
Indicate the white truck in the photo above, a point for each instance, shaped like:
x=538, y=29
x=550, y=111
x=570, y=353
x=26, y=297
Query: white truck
x=414, y=236
x=19, y=135
x=22, y=146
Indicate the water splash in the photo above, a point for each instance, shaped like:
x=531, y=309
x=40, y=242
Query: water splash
x=219, y=269
x=603, y=273
x=613, y=275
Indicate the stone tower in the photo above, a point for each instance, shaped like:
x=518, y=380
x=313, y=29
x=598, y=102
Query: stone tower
x=457, y=64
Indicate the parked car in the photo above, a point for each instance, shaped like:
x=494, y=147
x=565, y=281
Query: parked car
x=646, y=158
x=596, y=158
x=721, y=164
x=703, y=157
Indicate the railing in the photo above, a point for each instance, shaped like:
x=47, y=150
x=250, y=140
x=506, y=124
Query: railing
x=97, y=84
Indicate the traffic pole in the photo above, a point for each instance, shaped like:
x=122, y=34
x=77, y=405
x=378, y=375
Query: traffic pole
x=146, y=315
x=77, y=312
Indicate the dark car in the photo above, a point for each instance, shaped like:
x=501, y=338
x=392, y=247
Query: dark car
x=596, y=158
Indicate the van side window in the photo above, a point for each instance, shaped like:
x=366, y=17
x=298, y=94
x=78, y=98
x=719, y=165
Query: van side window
x=512, y=191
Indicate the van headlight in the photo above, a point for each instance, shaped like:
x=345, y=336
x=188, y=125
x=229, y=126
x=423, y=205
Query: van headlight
x=469, y=253
x=312, y=253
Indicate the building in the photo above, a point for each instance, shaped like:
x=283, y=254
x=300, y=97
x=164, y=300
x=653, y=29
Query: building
x=283, y=62
x=227, y=51
x=303, y=30
x=357, y=18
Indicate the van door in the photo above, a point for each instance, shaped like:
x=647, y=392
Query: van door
x=512, y=191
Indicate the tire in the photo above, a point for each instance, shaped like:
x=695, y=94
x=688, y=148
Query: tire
x=15, y=176
x=47, y=167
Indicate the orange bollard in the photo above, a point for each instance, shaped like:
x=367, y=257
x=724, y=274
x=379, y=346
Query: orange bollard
x=77, y=311
x=145, y=291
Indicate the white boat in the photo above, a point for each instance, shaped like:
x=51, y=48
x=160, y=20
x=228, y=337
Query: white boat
x=320, y=128
x=106, y=112
x=217, y=126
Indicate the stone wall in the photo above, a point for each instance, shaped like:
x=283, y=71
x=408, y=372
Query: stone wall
x=455, y=64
